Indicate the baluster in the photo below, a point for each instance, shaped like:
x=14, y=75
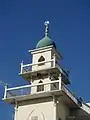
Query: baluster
x=5, y=94
x=21, y=67
x=54, y=60
x=60, y=81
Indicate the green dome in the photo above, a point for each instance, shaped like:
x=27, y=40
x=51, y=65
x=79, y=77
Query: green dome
x=46, y=41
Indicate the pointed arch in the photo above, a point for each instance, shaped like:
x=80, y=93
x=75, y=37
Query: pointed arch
x=39, y=114
x=40, y=87
x=41, y=59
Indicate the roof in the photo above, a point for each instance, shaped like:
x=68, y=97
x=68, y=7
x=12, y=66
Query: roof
x=44, y=42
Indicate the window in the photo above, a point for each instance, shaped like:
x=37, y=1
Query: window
x=41, y=59
x=40, y=87
x=34, y=118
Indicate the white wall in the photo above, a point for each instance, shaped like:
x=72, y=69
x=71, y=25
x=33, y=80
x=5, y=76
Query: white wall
x=62, y=111
x=48, y=55
x=36, y=56
x=43, y=110
x=46, y=87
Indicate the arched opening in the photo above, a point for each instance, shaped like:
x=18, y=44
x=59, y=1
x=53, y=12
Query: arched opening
x=40, y=87
x=41, y=59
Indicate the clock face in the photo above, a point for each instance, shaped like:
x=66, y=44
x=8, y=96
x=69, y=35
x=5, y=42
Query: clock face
x=35, y=115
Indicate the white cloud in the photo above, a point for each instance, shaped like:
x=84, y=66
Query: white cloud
x=3, y=83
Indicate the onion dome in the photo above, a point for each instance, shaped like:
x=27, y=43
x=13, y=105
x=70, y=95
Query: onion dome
x=46, y=41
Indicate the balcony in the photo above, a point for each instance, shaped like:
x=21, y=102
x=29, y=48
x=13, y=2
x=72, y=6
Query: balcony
x=44, y=67
x=37, y=66
x=57, y=88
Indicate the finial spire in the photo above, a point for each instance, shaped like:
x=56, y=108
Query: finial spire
x=46, y=27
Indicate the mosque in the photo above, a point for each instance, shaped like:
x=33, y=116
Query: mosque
x=47, y=96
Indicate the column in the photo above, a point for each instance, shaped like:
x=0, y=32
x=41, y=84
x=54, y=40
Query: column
x=54, y=60
x=16, y=111
x=60, y=81
x=54, y=108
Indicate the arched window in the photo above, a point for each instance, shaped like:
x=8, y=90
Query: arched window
x=40, y=87
x=41, y=59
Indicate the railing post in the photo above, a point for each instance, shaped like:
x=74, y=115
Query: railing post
x=21, y=68
x=16, y=110
x=60, y=81
x=54, y=60
x=5, y=94
x=54, y=108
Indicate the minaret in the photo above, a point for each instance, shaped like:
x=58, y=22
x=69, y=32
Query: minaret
x=46, y=97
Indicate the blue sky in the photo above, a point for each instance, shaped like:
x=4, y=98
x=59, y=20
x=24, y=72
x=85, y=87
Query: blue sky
x=22, y=26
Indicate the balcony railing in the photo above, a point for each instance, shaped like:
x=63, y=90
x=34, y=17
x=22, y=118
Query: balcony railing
x=26, y=89
x=40, y=66
x=37, y=66
x=56, y=85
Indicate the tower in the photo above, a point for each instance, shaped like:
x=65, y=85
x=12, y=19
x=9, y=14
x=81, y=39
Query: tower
x=47, y=96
